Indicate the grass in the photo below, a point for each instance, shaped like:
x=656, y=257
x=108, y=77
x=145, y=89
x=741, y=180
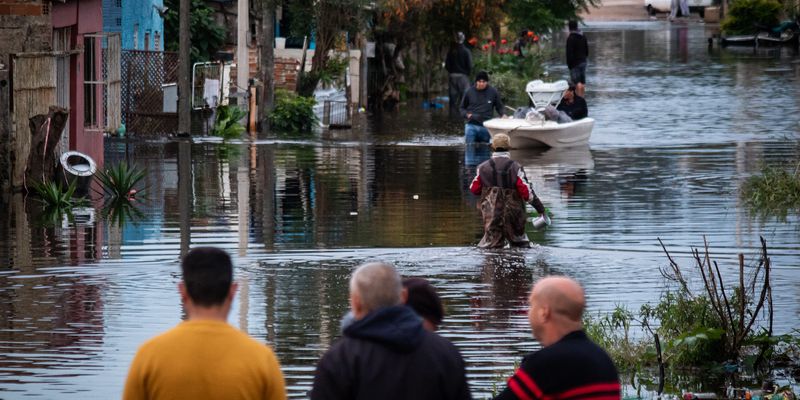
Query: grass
x=775, y=191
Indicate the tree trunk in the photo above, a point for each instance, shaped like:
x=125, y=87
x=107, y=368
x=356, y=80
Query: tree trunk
x=45, y=135
x=184, y=70
x=496, y=37
x=267, y=97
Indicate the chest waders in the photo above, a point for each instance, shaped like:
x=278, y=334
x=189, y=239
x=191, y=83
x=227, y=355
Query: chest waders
x=503, y=209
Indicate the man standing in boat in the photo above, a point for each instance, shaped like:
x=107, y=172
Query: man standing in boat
x=477, y=107
x=504, y=190
x=577, y=53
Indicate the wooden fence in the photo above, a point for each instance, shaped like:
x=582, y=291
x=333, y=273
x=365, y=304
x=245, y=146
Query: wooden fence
x=34, y=91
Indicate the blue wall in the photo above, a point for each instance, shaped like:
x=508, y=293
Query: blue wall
x=128, y=16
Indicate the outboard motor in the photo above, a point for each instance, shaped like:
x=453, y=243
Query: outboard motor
x=79, y=168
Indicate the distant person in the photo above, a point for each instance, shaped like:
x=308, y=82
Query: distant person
x=478, y=106
x=423, y=299
x=504, y=190
x=204, y=357
x=577, y=55
x=459, y=65
x=569, y=365
x=385, y=353
x=521, y=43
x=573, y=105
x=683, y=5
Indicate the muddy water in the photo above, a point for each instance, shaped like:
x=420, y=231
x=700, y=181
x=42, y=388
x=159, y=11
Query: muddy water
x=679, y=129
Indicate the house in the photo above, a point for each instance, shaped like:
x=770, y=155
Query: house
x=78, y=25
x=140, y=22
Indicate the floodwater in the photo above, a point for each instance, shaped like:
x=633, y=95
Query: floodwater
x=679, y=128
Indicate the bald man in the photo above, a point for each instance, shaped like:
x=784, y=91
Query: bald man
x=385, y=353
x=569, y=365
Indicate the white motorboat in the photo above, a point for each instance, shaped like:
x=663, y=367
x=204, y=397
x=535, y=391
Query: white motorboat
x=526, y=133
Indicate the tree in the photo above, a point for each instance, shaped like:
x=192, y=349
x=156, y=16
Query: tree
x=544, y=15
x=207, y=36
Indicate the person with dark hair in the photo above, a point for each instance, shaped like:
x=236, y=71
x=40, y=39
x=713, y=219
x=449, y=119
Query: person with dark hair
x=504, y=190
x=573, y=105
x=577, y=55
x=423, y=299
x=459, y=65
x=569, y=365
x=384, y=352
x=522, y=42
x=478, y=106
x=204, y=357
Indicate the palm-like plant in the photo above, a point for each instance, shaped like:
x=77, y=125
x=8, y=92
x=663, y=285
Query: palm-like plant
x=119, y=181
x=55, y=195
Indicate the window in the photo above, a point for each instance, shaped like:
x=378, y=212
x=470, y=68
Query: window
x=156, y=41
x=89, y=77
x=118, y=3
x=119, y=21
x=147, y=40
x=136, y=36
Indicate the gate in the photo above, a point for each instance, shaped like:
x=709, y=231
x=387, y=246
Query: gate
x=145, y=73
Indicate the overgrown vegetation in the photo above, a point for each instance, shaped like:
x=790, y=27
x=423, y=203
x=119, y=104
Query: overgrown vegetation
x=510, y=73
x=745, y=16
x=775, y=191
x=332, y=74
x=207, y=36
x=293, y=113
x=726, y=326
x=226, y=123
x=120, y=180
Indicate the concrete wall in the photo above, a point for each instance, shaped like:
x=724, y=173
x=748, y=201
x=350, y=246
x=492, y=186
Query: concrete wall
x=141, y=15
x=23, y=28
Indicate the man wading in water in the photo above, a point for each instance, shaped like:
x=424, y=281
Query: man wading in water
x=504, y=190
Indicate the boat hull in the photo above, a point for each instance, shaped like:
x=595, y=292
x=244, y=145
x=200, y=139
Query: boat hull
x=548, y=134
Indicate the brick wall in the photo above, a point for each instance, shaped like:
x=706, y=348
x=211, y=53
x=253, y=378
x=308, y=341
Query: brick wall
x=286, y=73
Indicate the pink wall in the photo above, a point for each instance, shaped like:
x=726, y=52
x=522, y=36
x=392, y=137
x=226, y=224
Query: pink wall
x=85, y=17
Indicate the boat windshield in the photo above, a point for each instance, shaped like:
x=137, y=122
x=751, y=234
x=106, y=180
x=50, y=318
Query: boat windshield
x=543, y=94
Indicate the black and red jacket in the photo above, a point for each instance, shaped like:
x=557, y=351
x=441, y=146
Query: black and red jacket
x=572, y=368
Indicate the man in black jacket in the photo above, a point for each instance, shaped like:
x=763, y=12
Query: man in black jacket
x=385, y=353
x=459, y=65
x=478, y=105
x=573, y=105
x=569, y=365
x=577, y=53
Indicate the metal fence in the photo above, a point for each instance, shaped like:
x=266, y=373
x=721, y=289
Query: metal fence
x=336, y=114
x=143, y=75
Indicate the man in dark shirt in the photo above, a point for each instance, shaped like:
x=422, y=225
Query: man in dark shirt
x=384, y=352
x=577, y=53
x=477, y=106
x=573, y=105
x=459, y=65
x=569, y=365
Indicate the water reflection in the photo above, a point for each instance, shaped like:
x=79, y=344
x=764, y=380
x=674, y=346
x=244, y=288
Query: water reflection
x=674, y=141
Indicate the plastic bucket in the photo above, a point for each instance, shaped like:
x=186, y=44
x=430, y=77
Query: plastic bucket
x=79, y=168
x=541, y=222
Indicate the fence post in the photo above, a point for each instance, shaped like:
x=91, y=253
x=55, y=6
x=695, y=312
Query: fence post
x=5, y=130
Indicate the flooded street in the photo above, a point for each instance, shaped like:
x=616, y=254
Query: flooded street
x=679, y=129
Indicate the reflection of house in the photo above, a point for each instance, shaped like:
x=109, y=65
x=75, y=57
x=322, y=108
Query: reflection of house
x=138, y=21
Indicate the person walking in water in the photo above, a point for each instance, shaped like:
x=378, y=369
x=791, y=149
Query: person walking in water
x=477, y=106
x=504, y=190
x=577, y=55
x=459, y=65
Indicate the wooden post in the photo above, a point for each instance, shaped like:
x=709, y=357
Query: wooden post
x=5, y=132
x=267, y=97
x=242, y=53
x=184, y=70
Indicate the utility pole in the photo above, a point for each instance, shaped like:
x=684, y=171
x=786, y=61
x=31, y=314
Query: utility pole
x=184, y=70
x=242, y=53
x=267, y=97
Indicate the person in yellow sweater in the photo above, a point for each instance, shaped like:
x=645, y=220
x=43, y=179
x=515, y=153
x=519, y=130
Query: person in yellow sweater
x=205, y=357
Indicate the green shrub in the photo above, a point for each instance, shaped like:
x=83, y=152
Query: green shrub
x=54, y=195
x=226, y=124
x=292, y=113
x=509, y=73
x=775, y=191
x=744, y=15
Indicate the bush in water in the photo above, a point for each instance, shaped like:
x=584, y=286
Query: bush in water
x=292, y=113
x=744, y=15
